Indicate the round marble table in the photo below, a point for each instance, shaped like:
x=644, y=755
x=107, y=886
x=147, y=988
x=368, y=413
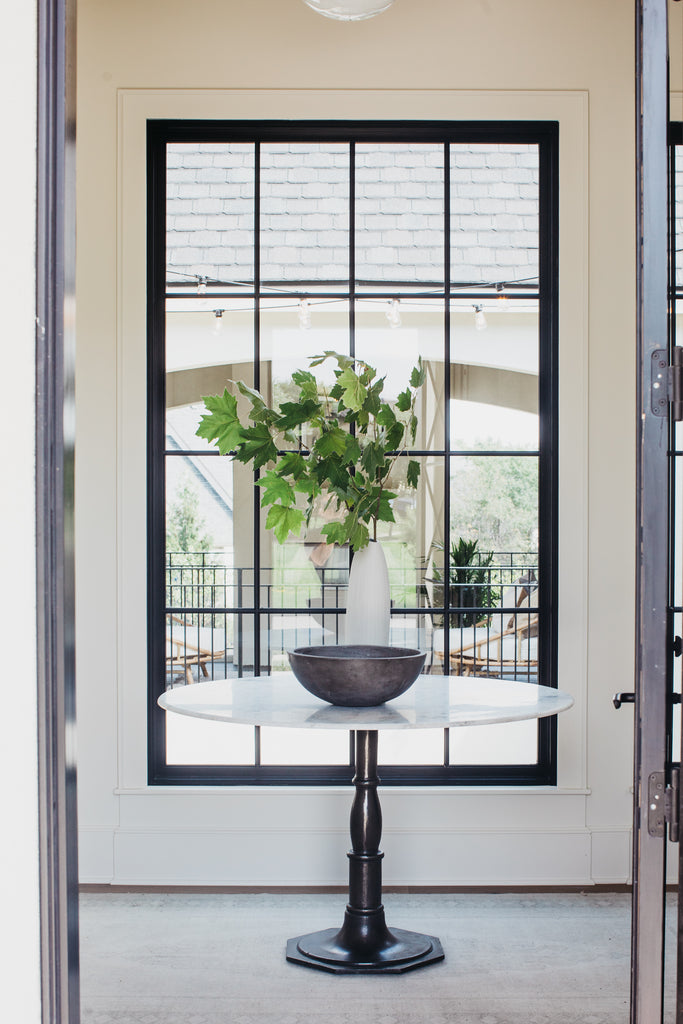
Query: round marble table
x=364, y=944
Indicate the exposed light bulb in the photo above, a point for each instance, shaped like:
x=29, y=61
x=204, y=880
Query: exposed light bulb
x=201, y=285
x=349, y=10
x=218, y=322
x=503, y=301
x=479, y=318
x=394, y=314
x=304, y=315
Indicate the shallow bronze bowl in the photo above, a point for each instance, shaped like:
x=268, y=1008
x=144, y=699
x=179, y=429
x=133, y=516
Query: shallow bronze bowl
x=356, y=675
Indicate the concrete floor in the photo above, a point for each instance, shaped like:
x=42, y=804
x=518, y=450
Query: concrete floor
x=219, y=959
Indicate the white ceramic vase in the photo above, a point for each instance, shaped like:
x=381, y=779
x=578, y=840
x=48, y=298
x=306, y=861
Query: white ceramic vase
x=368, y=602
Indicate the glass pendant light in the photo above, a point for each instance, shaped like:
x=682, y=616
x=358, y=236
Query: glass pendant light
x=349, y=10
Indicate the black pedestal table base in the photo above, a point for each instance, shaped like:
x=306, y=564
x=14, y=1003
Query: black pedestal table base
x=364, y=944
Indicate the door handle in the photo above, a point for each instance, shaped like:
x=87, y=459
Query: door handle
x=623, y=698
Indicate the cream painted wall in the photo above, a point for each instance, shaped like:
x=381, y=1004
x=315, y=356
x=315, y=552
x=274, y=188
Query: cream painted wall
x=20, y=981
x=436, y=58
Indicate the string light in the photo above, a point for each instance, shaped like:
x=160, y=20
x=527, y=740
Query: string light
x=479, y=318
x=201, y=285
x=393, y=313
x=304, y=315
x=503, y=300
x=218, y=323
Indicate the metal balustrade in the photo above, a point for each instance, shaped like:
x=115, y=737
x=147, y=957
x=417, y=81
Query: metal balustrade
x=211, y=612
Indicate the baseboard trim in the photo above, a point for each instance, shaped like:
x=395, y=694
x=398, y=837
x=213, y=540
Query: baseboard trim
x=314, y=890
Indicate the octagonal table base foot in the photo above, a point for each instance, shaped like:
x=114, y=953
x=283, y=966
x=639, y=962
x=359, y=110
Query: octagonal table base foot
x=364, y=945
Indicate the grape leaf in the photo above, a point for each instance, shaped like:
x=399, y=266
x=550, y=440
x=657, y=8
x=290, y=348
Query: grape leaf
x=383, y=509
x=302, y=377
x=221, y=424
x=413, y=473
x=372, y=458
x=403, y=401
x=331, y=442
x=354, y=394
x=283, y=521
x=258, y=405
x=335, y=533
x=256, y=445
x=359, y=536
x=386, y=417
x=342, y=360
x=275, y=488
x=418, y=375
x=394, y=437
x=293, y=414
x=352, y=451
x=291, y=464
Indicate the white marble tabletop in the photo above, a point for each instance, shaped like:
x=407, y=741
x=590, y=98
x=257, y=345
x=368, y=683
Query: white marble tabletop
x=433, y=702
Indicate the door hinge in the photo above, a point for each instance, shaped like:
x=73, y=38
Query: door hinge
x=663, y=805
x=666, y=382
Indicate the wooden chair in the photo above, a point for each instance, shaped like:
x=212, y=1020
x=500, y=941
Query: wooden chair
x=511, y=652
x=181, y=653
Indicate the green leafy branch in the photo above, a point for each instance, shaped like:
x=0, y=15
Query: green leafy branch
x=354, y=439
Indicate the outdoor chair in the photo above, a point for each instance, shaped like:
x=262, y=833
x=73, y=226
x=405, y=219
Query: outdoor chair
x=188, y=645
x=503, y=645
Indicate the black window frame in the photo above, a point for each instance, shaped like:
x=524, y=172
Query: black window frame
x=544, y=134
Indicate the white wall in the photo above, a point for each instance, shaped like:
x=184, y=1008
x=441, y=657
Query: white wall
x=19, y=937
x=433, y=59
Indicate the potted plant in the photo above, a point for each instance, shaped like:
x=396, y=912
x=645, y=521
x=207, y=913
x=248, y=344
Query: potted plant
x=331, y=450
x=470, y=580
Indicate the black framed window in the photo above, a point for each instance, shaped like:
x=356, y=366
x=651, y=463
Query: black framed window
x=269, y=242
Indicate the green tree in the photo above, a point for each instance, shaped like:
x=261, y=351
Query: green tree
x=495, y=499
x=185, y=527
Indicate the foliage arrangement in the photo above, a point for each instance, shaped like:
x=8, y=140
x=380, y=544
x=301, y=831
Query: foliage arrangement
x=470, y=579
x=337, y=446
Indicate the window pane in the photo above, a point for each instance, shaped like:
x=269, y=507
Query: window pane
x=304, y=213
x=494, y=376
x=194, y=741
x=494, y=500
x=510, y=743
x=494, y=213
x=401, y=746
x=210, y=213
x=399, y=215
x=204, y=352
x=391, y=335
x=291, y=334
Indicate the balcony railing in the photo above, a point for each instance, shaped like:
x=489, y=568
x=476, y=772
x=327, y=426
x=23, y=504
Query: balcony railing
x=214, y=621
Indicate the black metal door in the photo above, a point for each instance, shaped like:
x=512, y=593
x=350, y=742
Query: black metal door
x=653, y=769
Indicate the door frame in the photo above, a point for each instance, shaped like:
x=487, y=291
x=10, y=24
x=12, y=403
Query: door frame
x=55, y=357
x=55, y=536
x=653, y=638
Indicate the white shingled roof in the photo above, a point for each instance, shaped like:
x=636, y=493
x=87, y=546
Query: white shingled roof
x=305, y=213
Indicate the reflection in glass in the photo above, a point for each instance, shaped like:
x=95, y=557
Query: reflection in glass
x=494, y=378
x=494, y=212
x=287, y=344
x=304, y=215
x=399, y=215
x=203, y=353
x=209, y=214
x=393, y=346
x=494, y=500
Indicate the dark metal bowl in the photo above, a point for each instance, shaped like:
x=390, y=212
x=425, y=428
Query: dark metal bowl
x=356, y=675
